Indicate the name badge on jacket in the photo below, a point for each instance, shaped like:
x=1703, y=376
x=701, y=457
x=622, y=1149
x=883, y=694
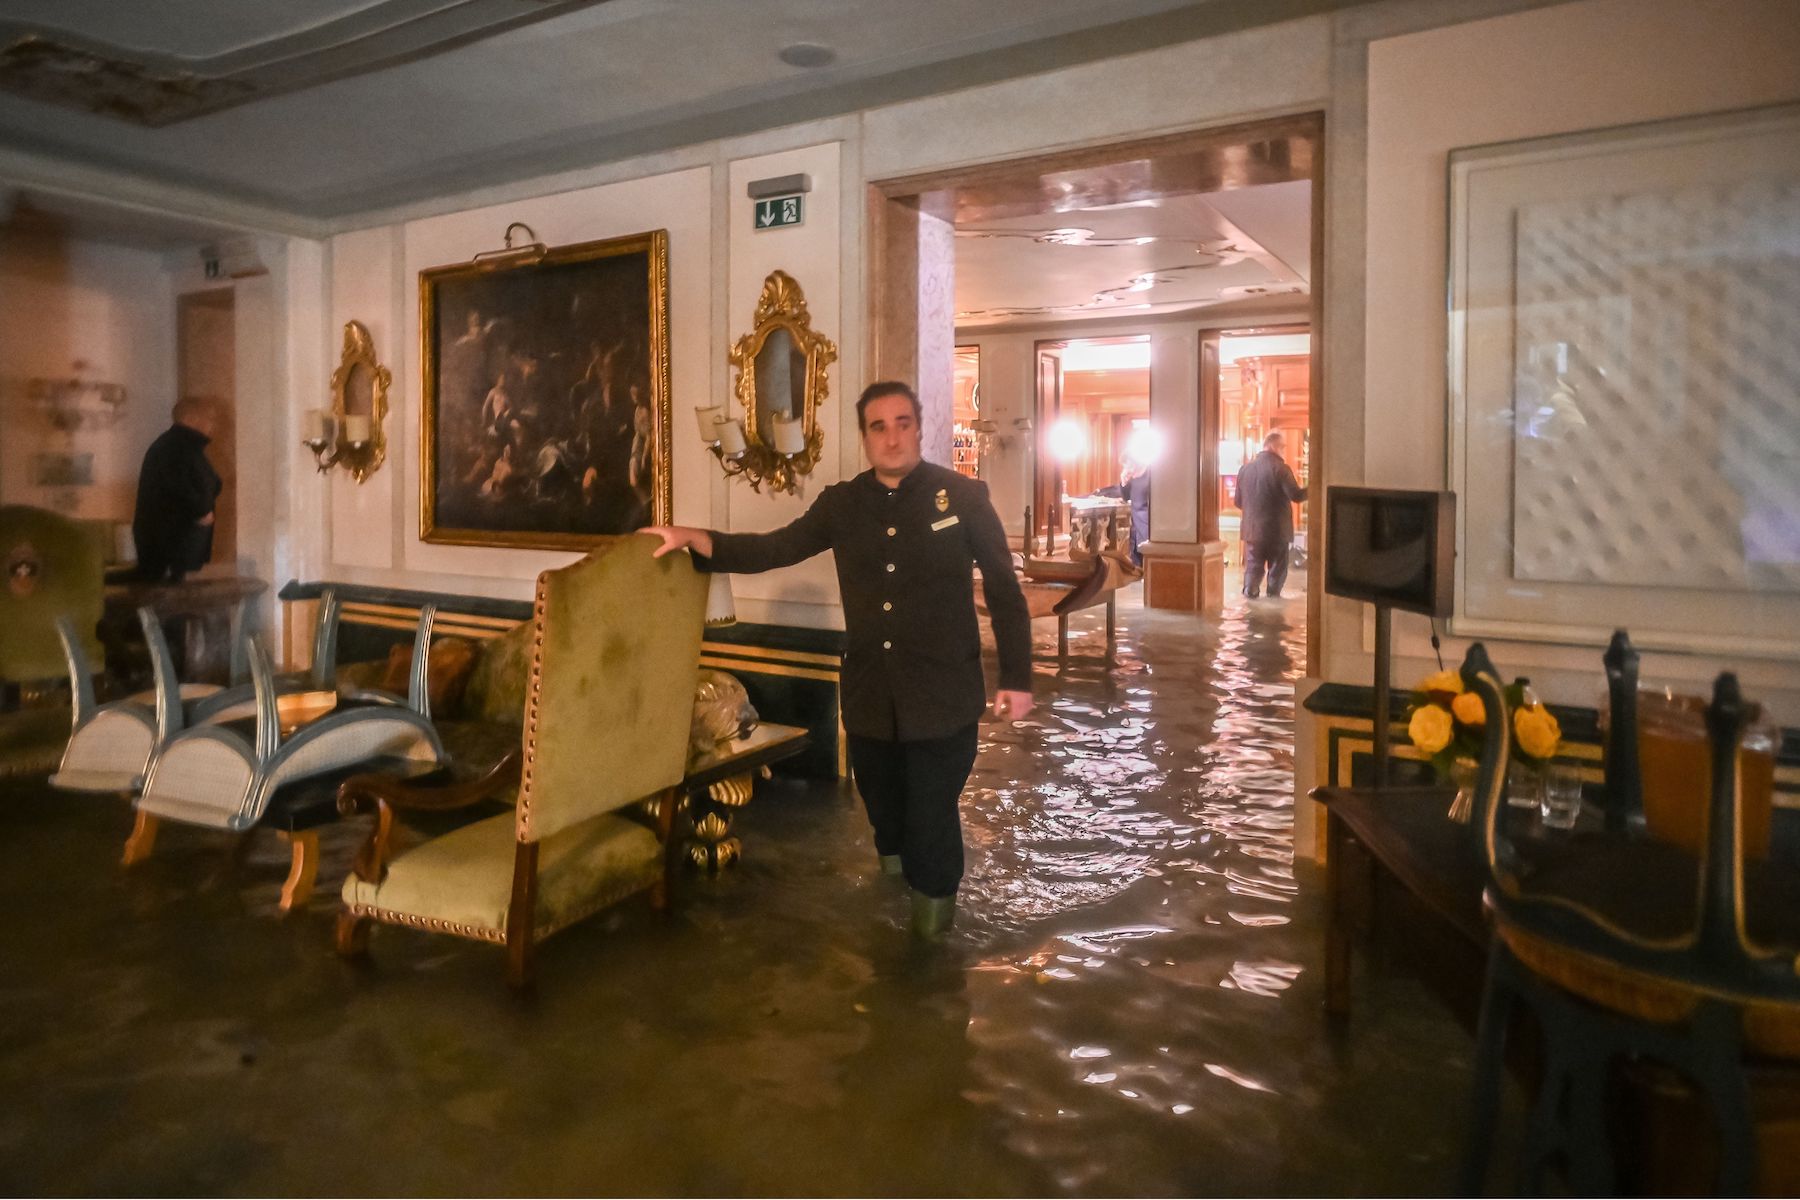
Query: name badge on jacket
x=946, y=523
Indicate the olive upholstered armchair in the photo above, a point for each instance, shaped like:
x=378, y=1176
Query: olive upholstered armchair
x=615, y=656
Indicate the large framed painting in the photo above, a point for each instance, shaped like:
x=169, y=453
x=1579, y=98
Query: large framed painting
x=546, y=395
x=1625, y=385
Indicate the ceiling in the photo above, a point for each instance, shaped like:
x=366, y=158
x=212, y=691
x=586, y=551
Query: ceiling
x=1237, y=249
x=323, y=109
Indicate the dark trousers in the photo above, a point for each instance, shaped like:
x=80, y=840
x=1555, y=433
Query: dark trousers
x=1272, y=556
x=910, y=790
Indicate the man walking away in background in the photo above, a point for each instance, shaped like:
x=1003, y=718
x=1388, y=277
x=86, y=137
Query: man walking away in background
x=1266, y=492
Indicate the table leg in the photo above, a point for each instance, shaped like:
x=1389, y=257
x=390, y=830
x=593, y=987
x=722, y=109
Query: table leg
x=303, y=870
x=141, y=841
x=1337, y=932
x=1112, y=636
x=712, y=847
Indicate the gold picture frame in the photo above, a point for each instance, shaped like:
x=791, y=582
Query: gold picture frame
x=545, y=395
x=782, y=328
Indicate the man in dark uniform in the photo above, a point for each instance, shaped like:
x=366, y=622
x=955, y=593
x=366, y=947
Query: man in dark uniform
x=904, y=534
x=1266, y=492
x=177, y=488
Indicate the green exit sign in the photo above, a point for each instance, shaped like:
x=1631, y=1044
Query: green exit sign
x=777, y=211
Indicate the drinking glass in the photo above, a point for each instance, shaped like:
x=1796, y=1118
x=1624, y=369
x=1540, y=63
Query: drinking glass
x=1560, y=804
x=1524, y=785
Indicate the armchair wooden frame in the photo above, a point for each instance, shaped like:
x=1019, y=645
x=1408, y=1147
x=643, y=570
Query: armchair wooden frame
x=387, y=798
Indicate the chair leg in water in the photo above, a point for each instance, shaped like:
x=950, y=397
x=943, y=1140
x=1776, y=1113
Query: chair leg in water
x=303, y=868
x=932, y=915
x=141, y=841
x=890, y=864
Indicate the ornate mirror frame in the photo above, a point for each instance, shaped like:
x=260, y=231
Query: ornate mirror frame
x=359, y=351
x=782, y=306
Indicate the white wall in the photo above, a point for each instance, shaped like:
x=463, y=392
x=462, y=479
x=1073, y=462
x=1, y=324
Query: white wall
x=1552, y=70
x=61, y=300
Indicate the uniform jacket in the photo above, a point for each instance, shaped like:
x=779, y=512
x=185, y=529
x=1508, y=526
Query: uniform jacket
x=912, y=669
x=1266, y=491
x=177, y=487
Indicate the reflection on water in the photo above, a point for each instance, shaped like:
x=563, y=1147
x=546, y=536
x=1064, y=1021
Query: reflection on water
x=1132, y=858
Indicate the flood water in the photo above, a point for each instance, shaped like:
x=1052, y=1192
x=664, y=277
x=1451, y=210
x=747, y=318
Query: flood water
x=1128, y=1004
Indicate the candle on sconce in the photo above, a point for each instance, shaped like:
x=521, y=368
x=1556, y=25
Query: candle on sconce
x=357, y=428
x=313, y=425
x=708, y=419
x=790, y=436
x=730, y=436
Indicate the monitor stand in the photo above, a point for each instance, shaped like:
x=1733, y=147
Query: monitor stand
x=1384, y=647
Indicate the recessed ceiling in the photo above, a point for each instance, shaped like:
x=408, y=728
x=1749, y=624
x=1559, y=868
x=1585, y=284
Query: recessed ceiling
x=1141, y=257
x=359, y=105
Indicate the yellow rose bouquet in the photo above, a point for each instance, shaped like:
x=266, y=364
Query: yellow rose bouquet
x=1447, y=719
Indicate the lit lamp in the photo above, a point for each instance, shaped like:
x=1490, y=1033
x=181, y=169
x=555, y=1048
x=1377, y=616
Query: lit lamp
x=316, y=427
x=790, y=436
x=1066, y=440
x=357, y=429
x=785, y=444
x=728, y=438
x=707, y=418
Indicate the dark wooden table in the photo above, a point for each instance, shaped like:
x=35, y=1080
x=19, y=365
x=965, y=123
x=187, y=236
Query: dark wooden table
x=1634, y=882
x=1407, y=832
x=195, y=613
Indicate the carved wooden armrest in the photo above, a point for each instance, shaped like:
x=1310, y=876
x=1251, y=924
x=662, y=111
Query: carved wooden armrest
x=383, y=794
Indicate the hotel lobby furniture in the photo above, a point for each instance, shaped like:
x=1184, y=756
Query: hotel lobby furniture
x=1098, y=525
x=224, y=774
x=205, y=614
x=1628, y=948
x=1633, y=957
x=615, y=653
x=1059, y=587
x=790, y=672
x=719, y=782
x=52, y=568
x=111, y=745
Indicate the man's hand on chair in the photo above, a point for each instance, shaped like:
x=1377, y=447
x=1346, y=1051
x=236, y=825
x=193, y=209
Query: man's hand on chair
x=680, y=537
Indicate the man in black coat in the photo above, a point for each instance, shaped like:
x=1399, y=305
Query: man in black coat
x=904, y=534
x=1266, y=492
x=177, y=488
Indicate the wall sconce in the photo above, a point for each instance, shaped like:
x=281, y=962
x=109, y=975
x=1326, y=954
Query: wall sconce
x=351, y=432
x=76, y=403
x=781, y=385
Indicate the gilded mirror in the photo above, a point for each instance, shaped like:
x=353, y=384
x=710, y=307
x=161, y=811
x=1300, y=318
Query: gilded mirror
x=781, y=365
x=359, y=403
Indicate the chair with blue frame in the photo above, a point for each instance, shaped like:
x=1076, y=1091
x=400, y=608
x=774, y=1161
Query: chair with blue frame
x=223, y=774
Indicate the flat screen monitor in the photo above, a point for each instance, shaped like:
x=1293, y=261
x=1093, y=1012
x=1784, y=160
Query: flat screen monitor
x=1391, y=547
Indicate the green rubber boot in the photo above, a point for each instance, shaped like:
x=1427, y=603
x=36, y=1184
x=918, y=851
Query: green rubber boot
x=890, y=864
x=932, y=915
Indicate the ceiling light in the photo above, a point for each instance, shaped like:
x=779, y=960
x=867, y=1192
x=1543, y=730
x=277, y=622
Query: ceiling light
x=807, y=54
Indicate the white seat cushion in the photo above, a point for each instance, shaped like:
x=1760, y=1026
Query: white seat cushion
x=462, y=882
